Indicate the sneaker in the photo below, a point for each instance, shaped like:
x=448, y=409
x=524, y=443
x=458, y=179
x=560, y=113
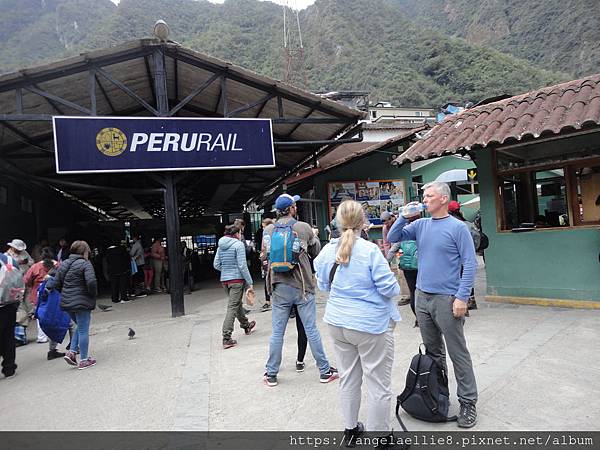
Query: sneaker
x=330, y=375
x=71, y=358
x=43, y=340
x=270, y=380
x=228, y=342
x=404, y=301
x=53, y=354
x=12, y=375
x=85, y=363
x=300, y=366
x=265, y=307
x=141, y=295
x=250, y=328
x=467, y=417
x=350, y=435
x=247, y=311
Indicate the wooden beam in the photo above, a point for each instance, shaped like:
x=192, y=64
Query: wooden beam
x=128, y=91
x=54, y=98
x=193, y=94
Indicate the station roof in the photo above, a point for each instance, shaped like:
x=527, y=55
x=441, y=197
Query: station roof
x=198, y=85
x=546, y=112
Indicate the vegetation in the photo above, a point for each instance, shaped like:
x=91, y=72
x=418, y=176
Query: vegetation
x=372, y=45
x=555, y=34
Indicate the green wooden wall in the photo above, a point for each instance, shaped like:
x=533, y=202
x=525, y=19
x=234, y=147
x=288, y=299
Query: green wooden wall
x=553, y=264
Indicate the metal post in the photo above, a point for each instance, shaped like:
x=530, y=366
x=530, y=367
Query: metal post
x=170, y=197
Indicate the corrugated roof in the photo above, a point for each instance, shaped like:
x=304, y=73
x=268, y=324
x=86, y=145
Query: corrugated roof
x=348, y=152
x=28, y=145
x=552, y=110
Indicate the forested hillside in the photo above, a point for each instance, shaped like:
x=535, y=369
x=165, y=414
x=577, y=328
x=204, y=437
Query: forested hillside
x=372, y=45
x=555, y=34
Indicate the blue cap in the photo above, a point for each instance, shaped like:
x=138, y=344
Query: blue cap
x=285, y=200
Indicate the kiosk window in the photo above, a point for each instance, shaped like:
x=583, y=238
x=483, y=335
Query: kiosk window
x=587, y=180
x=548, y=194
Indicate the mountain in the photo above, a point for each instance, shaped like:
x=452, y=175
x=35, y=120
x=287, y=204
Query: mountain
x=372, y=45
x=556, y=34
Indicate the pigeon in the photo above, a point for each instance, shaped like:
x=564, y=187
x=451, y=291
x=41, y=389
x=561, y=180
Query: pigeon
x=104, y=307
x=131, y=333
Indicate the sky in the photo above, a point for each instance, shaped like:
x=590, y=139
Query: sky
x=296, y=4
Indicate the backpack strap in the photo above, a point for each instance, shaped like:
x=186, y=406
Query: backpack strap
x=332, y=273
x=398, y=417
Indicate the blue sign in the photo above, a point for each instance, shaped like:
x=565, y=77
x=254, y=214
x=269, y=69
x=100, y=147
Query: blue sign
x=132, y=144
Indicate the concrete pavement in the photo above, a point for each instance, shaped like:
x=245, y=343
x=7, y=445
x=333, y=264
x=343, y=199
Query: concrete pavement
x=537, y=369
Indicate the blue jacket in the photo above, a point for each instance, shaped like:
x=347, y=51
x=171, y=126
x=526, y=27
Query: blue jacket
x=230, y=260
x=360, y=297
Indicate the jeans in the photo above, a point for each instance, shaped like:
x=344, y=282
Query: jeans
x=282, y=300
x=302, y=340
x=81, y=337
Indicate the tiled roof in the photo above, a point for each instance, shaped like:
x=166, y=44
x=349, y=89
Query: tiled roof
x=549, y=111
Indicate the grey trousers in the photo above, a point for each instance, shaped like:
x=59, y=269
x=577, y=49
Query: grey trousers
x=372, y=355
x=235, y=308
x=434, y=313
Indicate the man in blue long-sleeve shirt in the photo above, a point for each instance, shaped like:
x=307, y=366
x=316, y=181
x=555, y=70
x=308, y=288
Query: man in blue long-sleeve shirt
x=445, y=245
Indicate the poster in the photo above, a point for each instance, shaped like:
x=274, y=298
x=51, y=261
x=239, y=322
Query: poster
x=375, y=197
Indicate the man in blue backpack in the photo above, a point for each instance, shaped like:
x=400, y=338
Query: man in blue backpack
x=290, y=280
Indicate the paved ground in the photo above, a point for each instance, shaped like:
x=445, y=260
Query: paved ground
x=537, y=369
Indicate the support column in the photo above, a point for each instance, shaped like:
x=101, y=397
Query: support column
x=171, y=208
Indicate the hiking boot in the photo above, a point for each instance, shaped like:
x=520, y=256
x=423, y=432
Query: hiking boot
x=71, y=358
x=265, y=307
x=300, y=366
x=467, y=417
x=350, y=435
x=330, y=375
x=228, y=343
x=250, y=328
x=53, y=354
x=270, y=380
x=85, y=363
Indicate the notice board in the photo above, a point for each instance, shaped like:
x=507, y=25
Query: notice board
x=375, y=196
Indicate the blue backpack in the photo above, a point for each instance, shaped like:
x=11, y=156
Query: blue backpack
x=53, y=320
x=285, y=247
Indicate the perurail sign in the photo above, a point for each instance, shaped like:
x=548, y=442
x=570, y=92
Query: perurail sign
x=135, y=144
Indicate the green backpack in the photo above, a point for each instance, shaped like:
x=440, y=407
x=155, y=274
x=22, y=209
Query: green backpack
x=408, y=260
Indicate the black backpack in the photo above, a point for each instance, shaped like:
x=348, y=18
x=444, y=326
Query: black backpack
x=484, y=242
x=426, y=396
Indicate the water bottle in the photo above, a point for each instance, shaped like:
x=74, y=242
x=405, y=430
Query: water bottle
x=266, y=243
x=296, y=245
x=413, y=209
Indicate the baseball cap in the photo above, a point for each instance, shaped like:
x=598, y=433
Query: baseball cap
x=453, y=206
x=285, y=200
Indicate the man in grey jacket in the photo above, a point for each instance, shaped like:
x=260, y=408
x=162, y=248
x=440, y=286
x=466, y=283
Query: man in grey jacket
x=230, y=260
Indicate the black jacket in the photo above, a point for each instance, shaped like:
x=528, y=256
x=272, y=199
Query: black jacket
x=118, y=260
x=76, y=281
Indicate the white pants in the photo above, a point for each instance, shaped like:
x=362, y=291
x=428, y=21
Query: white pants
x=41, y=335
x=359, y=353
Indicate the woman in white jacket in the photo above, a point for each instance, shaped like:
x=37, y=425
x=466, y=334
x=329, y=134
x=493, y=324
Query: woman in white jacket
x=361, y=317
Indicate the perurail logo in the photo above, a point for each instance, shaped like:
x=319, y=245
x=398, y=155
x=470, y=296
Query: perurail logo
x=111, y=141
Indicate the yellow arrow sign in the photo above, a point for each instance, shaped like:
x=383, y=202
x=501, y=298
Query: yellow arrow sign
x=471, y=174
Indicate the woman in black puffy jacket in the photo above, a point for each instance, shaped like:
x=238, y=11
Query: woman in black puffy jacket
x=76, y=281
